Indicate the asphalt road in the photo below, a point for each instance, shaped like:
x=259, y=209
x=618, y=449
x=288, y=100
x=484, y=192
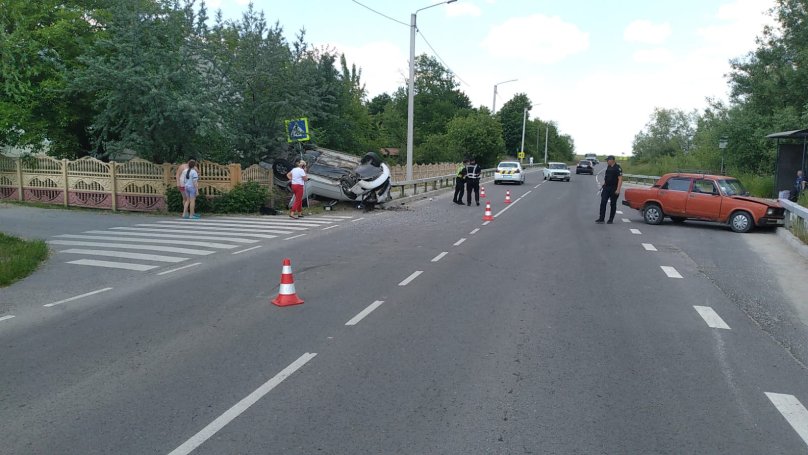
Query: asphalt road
x=539, y=332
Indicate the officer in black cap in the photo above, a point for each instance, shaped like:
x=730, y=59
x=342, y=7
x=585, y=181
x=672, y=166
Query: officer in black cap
x=610, y=191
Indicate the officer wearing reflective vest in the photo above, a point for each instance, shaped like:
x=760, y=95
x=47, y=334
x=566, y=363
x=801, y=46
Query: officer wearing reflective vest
x=473, y=173
x=460, y=182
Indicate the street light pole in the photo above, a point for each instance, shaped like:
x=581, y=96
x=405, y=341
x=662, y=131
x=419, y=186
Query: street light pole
x=722, y=144
x=524, y=121
x=494, y=104
x=411, y=95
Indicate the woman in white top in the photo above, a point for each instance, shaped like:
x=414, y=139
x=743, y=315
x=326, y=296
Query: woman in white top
x=180, y=176
x=191, y=189
x=298, y=177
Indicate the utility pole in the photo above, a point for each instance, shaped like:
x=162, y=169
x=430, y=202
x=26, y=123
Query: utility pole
x=524, y=121
x=546, y=134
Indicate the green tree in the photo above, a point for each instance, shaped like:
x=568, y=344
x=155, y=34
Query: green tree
x=511, y=115
x=668, y=132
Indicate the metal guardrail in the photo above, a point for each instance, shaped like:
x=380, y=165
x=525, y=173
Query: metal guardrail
x=795, y=214
x=422, y=186
x=645, y=179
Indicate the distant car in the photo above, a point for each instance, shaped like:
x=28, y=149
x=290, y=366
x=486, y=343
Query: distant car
x=509, y=171
x=593, y=158
x=585, y=167
x=703, y=197
x=557, y=171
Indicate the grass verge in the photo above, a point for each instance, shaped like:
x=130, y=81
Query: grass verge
x=19, y=258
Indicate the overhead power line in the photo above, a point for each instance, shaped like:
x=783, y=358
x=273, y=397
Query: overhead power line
x=441, y=60
x=381, y=14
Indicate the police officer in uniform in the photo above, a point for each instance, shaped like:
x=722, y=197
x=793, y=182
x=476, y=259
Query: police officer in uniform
x=612, y=181
x=473, y=173
x=460, y=182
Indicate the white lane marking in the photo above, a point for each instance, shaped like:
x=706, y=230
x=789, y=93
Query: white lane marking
x=179, y=268
x=506, y=208
x=460, y=241
x=486, y=223
x=126, y=255
x=528, y=192
x=113, y=265
x=193, y=224
x=635, y=231
x=410, y=278
x=238, y=408
x=364, y=312
x=649, y=247
x=77, y=297
x=330, y=227
x=112, y=238
x=476, y=230
x=167, y=249
x=626, y=220
x=619, y=212
x=440, y=256
x=5, y=318
x=670, y=271
x=358, y=219
x=190, y=234
x=248, y=249
x=793, y=411
x=537, y=186
x=711, y=317
x=294, y=236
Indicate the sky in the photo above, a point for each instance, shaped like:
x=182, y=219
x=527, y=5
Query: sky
x=596, y=68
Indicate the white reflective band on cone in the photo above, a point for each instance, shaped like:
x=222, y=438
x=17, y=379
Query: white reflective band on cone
x=287, y=289
x=286, y=270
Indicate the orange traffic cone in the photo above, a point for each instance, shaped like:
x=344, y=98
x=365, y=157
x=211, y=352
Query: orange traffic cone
x=507, y=197
x=286, y=293
x=488, y=216
x=482, y=192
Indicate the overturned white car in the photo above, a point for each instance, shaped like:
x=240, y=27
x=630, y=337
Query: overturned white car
x=336, y=176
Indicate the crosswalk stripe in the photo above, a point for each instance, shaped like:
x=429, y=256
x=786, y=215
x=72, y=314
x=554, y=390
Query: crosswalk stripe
x=195, y=232
x=230, y=227
x=167, y=249
x=123, y=254
x=289, y=221
x=114, y=265
x=296, y=226
x=113, y=238
x=175, y=236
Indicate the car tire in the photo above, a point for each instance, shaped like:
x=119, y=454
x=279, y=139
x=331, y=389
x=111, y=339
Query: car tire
x=496, y=182
x=545, y=177
x=652, y=214
x=678, y=219
x=567, y=180
x=741, y=222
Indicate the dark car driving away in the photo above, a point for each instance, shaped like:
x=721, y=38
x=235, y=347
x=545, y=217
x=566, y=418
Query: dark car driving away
x=585, y=167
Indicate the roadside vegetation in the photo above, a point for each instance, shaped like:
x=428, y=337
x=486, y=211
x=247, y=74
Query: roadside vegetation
x=19, y=258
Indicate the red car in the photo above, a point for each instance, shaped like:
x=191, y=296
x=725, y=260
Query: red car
x=706, y=198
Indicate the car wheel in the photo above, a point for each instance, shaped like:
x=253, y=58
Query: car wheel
x=741, y=222
x=567, y=180
x=652, y=214
x=496, y=182
x=545, y=177
x=678, y=219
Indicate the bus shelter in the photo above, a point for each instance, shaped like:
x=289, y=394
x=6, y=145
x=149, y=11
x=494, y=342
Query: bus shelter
x=792, y=147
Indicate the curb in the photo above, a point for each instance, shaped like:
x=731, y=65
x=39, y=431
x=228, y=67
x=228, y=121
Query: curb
x=793, y=241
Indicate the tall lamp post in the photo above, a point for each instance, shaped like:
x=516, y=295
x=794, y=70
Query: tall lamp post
x=411, y=95
x=494, y=104
x=524, y=121
x=722, y=144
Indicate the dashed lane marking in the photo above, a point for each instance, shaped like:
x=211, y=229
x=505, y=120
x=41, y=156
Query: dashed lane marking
x=440, y=256
x=649, y=247
x=77, y=297
x=180, y=268
x=486, y=223
x=237, y=409
x=476, y=230
x=409, y=279
x=125, y=255
x=619, y=212
x=248, y=249
x=711, y=317
x=626, y=220
x=635, y=231
x=670, y=271
x=6, y=318
x=793, y=411
x=460, y=241
x=364, y=312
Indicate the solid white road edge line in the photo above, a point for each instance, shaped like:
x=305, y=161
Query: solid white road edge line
x=294, y=236
x=793, y=411
x=410, y=278
x=364, y=312
x=77, y=297
x=635, y=231
x=440, y=256
x=476, y=230
x=4, y=318
x=179, y=268
x=711, y=317
x=649, y=247
x=228, y=416
x=670, y=271
x=248, y=249
x=460, y=241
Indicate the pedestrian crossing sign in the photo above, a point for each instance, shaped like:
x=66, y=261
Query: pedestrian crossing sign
x=297, y=130
x=521, y=155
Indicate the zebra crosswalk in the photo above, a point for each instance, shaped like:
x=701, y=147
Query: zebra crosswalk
x=148, y=246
